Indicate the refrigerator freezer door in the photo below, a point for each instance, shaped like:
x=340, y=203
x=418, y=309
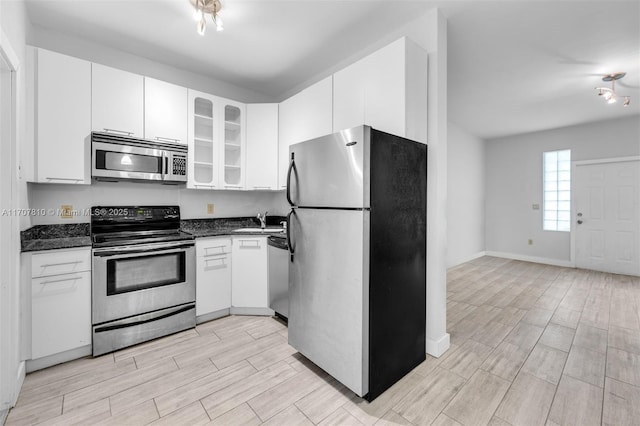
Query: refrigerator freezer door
x=328, y=292
x=331, y=171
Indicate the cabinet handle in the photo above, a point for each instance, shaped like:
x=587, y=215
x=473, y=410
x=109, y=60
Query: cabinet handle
x=48, y=265
x=61, y=280
x=232, y=186
x=205, y=186
x=163, y=139
x=57, y=178
x=214, y=251
x=261, y=187
x=123, y=132
x=254, y=243
x=221, y=260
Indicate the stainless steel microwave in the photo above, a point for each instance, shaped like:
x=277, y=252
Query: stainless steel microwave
x=116, y=157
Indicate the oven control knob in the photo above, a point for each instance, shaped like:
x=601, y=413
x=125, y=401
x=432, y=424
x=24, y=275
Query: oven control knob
x=103, y=212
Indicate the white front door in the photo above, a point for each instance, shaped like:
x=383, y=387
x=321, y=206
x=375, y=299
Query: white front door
x=607, y=216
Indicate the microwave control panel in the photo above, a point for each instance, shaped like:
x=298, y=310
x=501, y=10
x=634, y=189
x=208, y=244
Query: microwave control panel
x=179, y=165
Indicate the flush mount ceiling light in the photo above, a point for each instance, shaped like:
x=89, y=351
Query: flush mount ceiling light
x=204, y=7
x=609, y=93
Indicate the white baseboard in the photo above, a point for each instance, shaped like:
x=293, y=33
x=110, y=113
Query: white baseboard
x=212, y=315
x=438, y=347
x=533, y=259
x=252, y=311
x=48, y=361
x=468, y=259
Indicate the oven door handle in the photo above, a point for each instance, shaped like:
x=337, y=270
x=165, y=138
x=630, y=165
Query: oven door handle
x=144, y=318
x=129, y=251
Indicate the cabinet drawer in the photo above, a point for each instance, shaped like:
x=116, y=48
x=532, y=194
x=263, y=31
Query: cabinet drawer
x=60, y=262
x=214, y=247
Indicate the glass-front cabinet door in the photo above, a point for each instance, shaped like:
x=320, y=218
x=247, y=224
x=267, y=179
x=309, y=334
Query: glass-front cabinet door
x=204, y=155
x=232, y=167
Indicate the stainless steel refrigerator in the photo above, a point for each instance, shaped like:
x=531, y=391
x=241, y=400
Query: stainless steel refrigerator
x=357, y=271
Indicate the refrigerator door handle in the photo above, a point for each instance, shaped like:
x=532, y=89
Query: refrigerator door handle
x=292, y=166
x=289, y=244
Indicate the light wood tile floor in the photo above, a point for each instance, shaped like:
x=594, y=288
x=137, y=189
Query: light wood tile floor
x=530, y=345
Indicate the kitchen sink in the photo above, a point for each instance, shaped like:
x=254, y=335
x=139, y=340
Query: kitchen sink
x=258, y=230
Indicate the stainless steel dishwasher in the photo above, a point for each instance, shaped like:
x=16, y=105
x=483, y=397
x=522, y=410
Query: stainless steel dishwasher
x=278, y=254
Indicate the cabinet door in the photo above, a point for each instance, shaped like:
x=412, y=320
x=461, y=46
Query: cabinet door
x=204, y=155
x=306, y=115
x=165, y=111
x=213, y=283
x=262, y=146
x=249, y=274
x=63, y=118
x=117, y=103
x=233, y=147
x=372, y=91
x=60, y=313
x=386, y=90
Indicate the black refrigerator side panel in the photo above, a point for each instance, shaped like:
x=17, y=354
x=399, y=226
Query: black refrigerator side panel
x=397, y=263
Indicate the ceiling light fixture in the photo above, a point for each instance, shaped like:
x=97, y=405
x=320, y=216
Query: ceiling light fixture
x=609, y=93
x=204, y=7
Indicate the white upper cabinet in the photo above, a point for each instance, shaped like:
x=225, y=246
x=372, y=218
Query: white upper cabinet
x=203, y=140
x=262, y=146
x=306, y=115
x=62, y=117
x=233, y=148
x=165, y=111
x=386, y=90
x=117, y=103
x=217, y=142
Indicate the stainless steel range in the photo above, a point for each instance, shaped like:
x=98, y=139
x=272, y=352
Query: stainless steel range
x=143, y=275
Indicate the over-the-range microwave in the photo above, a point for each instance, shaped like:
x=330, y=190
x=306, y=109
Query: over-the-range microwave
x=116, y=157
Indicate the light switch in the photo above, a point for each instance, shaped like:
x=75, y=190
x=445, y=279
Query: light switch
x=535, y=206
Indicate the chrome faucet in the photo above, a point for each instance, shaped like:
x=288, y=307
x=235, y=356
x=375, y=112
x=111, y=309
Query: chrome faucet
x=263, y=219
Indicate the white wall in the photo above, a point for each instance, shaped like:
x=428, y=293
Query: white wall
x=514, y=183
x=465, y=196
x=193, y=204
x=94, y=52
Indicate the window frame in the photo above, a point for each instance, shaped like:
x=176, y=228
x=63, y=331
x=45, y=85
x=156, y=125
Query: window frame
x=559, y=217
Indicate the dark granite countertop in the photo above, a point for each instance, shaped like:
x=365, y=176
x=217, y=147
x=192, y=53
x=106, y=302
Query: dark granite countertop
x=226, y=226
x=52, y=237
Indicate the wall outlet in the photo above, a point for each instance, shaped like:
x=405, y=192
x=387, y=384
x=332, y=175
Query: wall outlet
x=66, y=211
x=535, y=206
x=530, y=242
x=209, y=208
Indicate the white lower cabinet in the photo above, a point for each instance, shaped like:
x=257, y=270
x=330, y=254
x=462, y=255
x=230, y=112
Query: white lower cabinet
x=213, y=275
x=249, y=273
x=60, y=303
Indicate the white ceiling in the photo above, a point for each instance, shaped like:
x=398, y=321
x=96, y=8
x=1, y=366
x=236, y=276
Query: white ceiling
x=513, y=66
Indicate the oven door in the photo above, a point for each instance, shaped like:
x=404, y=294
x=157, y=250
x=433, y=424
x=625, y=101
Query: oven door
x=128, y=162
x=134, y=280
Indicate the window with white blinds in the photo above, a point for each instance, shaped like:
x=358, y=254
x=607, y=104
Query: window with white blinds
x=557, y=191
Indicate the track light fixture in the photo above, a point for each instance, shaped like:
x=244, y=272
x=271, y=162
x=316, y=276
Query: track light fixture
x=609, y=93
x=204, y=7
